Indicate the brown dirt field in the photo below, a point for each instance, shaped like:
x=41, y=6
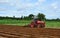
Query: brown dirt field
x=9, y=31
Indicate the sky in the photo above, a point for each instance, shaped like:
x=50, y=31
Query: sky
x=18, y=8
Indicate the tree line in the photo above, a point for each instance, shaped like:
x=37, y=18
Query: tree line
x=40, y=16
x=29, y=17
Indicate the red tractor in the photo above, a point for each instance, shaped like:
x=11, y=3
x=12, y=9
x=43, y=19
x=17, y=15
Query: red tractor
x=37, y=23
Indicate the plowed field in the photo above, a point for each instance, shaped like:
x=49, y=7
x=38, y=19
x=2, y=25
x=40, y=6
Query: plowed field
x=9, y=31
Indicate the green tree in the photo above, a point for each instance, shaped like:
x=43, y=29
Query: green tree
x=41, y=16
x=31, y=16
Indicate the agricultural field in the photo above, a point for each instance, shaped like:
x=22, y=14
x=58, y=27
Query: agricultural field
x=53, y=24
x=25, y=32
x=49, y=24
x=15, y=22
x=8, y=30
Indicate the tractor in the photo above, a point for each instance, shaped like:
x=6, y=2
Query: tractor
x=37, y=23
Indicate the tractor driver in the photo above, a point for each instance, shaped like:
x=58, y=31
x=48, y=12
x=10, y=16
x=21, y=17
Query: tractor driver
x=35, y=19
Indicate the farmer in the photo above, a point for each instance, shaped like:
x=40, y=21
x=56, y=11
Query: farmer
x=35, y=19
x=34, y=22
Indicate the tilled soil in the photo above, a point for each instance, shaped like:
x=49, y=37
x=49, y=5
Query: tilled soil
x=9, y=31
